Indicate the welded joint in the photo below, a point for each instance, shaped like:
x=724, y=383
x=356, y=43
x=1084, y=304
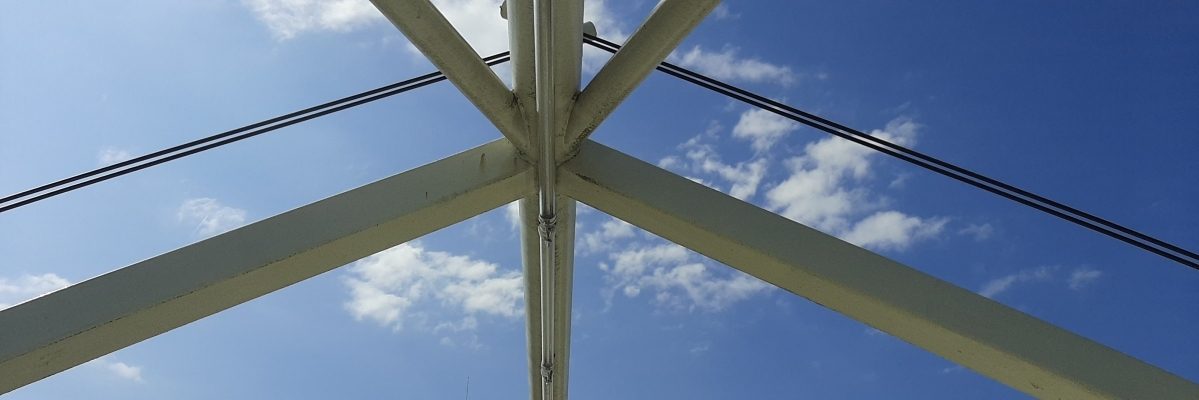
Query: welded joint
x=546, y=226
x=547, y=374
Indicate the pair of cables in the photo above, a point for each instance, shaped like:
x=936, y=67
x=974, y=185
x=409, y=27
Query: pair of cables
x=158, y=157
x=1010, y=192
x=1041, y=203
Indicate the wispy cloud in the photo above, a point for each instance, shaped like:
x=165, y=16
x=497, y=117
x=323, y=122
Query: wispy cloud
x=996, y=286
x=826, y=186
x=26, y=287
x=763, y=128
x=287, y=19
x=407, y=282
x=605, y=237
x=979, y=232
x=1079, y=279
x=112, y=155
x=700, y=156
x=1082, y=277
x=727, y=64
x=479, y=22
x=892, y=230
x=672, y=277
x=119, y=369
x=209, y=216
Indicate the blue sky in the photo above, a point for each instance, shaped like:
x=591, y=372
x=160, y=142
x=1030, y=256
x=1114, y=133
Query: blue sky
x=1092, y=105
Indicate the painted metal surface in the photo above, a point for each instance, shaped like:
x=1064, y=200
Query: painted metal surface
x=666, y=26
x=564, y=278
x=103, y=314
x=558, y=38
x=69, y=327
x=424, y=25
x=1007, y=345
x=519, y=14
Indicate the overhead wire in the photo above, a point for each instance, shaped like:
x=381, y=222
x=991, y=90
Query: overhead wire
x=98, y=175
x=1060, y=210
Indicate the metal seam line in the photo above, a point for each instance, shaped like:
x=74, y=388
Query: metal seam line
x=546, y=190
x=64, y=185
x=1097, y=224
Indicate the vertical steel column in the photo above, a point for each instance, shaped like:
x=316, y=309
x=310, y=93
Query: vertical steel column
x=546, y=178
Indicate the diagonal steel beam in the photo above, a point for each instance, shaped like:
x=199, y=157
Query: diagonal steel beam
x=433, y=35
x=666, y=26
x=103, y=314
x=563, y=281
x=1009, y=346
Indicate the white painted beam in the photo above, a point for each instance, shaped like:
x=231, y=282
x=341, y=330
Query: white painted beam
x=1009, y=346
x=666, y=26
x=521, y=44
x=564, y=281
x=55, y=332
x=430, y=32
x=568, y=27
x=568, y=61
x=548, y=230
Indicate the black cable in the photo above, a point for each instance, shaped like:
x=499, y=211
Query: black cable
x=1010, y=192
x=56, y=188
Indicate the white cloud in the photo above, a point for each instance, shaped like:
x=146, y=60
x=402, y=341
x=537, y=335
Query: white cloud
x=210, y=216
x=825, y=190
x=112, y=155
x=892, y=230
x=16, y=291
x=125, y=371
x=1078, y=279
x=675, y=277
x=118, y=369
x=390, y=286
x=288, y=18
x=763, y=128
x=602, y=239
x=996, y=286
x=727, y=65
x=607, y=26
x=979, y=232
x=478, y=21
x=701, y=157
x=1082, y=277
x=744, y=176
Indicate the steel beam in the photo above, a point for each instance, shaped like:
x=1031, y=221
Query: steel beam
x=564, y=280
x=433, y=35
x=521, y=44
x=548, y=230
x=1007, y=345
x=567, y=62
x=666, y=26
x=66, y=328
